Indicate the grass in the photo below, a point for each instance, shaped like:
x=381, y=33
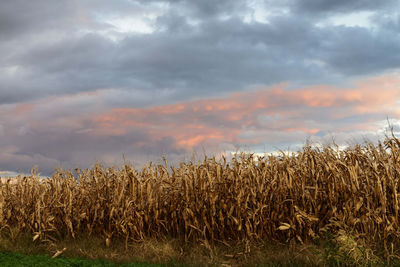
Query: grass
x=90, y=248
x=15, y=260
x=341, y=250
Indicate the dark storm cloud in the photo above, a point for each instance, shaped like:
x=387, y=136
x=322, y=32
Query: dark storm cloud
x=358, y=50
x=204, y=9
x=341, y=6
x=210, y=56
x=22, y=17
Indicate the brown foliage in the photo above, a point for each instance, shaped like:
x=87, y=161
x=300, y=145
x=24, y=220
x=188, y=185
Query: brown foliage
x=282, y=198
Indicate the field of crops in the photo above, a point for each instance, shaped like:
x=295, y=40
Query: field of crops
x=296, y=197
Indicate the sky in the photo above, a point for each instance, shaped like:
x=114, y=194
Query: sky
x=85, y=81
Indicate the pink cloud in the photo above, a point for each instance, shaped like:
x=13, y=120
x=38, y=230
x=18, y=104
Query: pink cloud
x=302, y=129
x=199, y=122
x=21, y=109
x=80, y=128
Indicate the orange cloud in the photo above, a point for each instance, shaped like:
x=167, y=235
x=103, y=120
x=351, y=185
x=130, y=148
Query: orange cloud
x=302, y=129
x=22, y=109
x=370, y=95
x=223, y=119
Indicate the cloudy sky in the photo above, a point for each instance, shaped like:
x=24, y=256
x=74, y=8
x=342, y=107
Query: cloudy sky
x=95, y=80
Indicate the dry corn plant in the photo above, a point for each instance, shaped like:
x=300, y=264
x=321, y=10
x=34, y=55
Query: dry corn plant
x=280, y=198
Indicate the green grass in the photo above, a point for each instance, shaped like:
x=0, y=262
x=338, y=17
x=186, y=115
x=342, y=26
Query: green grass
x=341, y=249
x=16, y=259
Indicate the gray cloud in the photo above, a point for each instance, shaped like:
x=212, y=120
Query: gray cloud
x=341, y=6
x=22, y=17
x=357, y=50
x=198, y=49
x=213, y=57
x=388, y=22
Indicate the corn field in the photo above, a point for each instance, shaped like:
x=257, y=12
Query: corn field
x=289, y=197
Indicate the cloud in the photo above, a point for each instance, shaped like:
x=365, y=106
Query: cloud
x=77, y=129
x=360, y=51
x=341, y=6
x=94, y=79
x=215, y=53
x=244, y=118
